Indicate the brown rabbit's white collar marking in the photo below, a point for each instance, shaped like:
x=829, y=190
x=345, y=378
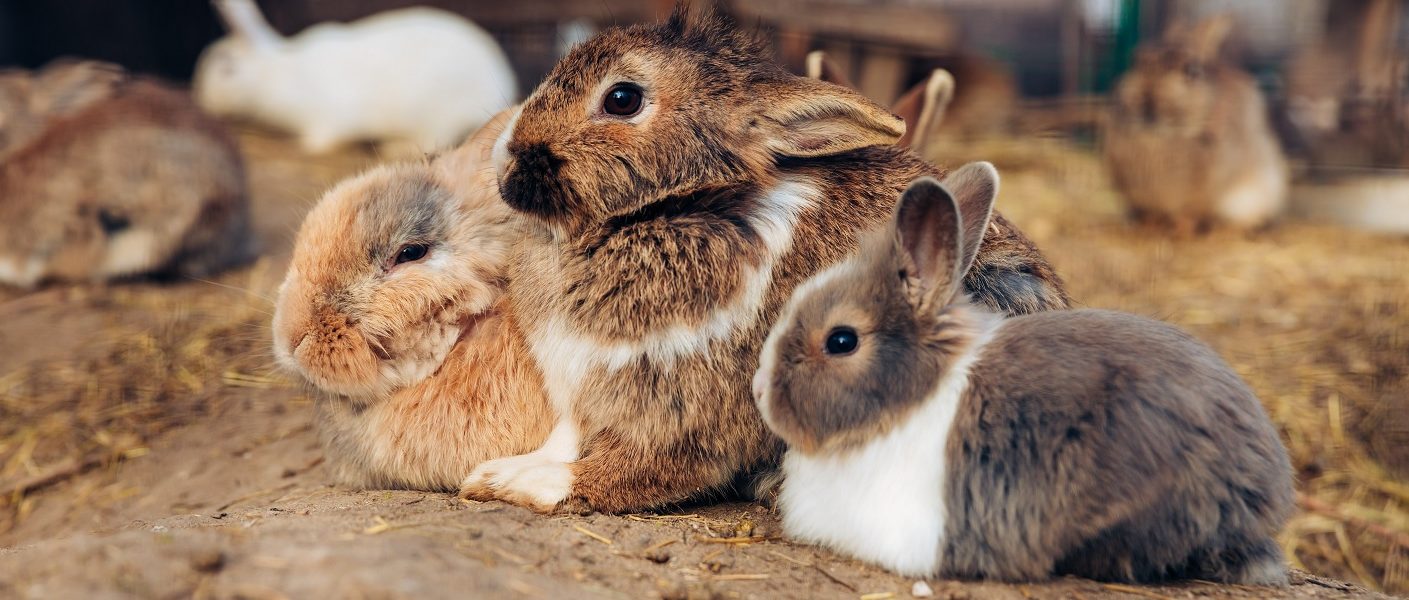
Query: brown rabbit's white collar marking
x=832, y=499
x=559, y=349
x=543, y=477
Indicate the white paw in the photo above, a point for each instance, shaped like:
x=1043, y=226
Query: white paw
x=529, y=479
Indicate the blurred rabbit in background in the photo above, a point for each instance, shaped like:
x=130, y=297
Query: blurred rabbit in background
x=417, y=76
x=104, y=175
x=1190, y=143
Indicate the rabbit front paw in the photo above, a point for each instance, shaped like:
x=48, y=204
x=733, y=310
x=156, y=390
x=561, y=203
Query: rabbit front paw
x=528, y=480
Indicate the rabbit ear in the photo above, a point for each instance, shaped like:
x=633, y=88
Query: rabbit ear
x=805, y=117
x=469, y=168
x=245, y=20
x=929, y=230
x=1208, y=35
x=923, y=109
x=819, y=67
x=974, y=188
x=941, y=226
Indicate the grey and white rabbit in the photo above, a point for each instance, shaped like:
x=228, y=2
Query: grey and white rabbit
x=935, y=438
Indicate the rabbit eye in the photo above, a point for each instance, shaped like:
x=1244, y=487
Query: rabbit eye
x=1193, y=70
x=411, y=253
x=623, y=100
x=842, y=341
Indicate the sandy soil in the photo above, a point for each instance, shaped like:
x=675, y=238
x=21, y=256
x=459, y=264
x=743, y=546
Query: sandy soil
x=220, y=491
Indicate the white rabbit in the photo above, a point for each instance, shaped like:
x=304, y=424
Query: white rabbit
x=419, y=76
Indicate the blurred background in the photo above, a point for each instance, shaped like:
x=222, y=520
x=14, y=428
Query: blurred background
x=1132, y=136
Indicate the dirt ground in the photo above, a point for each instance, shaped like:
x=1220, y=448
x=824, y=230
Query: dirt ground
x=148, y=448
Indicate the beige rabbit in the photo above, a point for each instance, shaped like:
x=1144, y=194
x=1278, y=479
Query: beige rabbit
x=936, y=438
x=1189, y=142
x=394, y=306
x=109, y=177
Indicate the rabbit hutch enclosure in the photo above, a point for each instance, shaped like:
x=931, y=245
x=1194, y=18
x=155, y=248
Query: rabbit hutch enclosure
x=1237, y=168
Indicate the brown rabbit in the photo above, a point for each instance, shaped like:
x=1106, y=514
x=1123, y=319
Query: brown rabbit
x=127, y=180
x=394, y=305
x=679, y=184
x=935, y=438
x=1190, y=143
x=31, y=100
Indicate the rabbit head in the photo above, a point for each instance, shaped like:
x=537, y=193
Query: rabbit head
x=231, y=72
x=863, y=342
x=637, y=115
x=389, y=271
x=1171, y=84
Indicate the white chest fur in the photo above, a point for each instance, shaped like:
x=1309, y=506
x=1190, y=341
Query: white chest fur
x=882, y=502
x=558, y=348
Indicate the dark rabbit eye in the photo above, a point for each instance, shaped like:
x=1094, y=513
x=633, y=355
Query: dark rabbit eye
x=623, y=100
x=411, y=253
x=841, y=341
x=1193, y=70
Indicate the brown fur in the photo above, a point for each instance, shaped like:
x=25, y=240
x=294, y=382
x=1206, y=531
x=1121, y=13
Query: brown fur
x=642, y=225
x=485, y=401
x=426, y=367
x=1088, y=442
x=1189, y=131
x=141, y=163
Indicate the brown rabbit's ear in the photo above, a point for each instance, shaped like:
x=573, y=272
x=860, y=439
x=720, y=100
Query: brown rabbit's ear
x=923, y=108
x=820, y=68
x=974, y=188
x=806, y=117
x=930, y=232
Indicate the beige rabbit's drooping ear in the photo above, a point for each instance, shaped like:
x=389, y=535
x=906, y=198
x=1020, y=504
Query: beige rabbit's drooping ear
x=923, y=109
x=929, y=230
x=468, y=168
x=805, y=117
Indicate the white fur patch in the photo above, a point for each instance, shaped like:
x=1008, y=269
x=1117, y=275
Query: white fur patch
x=131, y=251
x=542, y=475
x=23, y=273
x=558, y=348
x=882, y=502
x=1257, y=197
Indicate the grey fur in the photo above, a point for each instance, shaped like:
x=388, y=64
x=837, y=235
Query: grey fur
x=1114, y=447
x=1086, y=442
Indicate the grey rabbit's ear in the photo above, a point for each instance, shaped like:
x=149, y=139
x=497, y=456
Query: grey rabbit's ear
x=941, y=225
x=974, y=188
x=928, y=229
x=923, y=108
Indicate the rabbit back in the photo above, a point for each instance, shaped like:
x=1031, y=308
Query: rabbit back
x=1141, y=456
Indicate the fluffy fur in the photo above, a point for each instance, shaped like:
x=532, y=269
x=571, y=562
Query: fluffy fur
x=421, y=76
x=426, y=369
x=1190, y=143
x=949, y=444
x=663, y=243
x=102, y=176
